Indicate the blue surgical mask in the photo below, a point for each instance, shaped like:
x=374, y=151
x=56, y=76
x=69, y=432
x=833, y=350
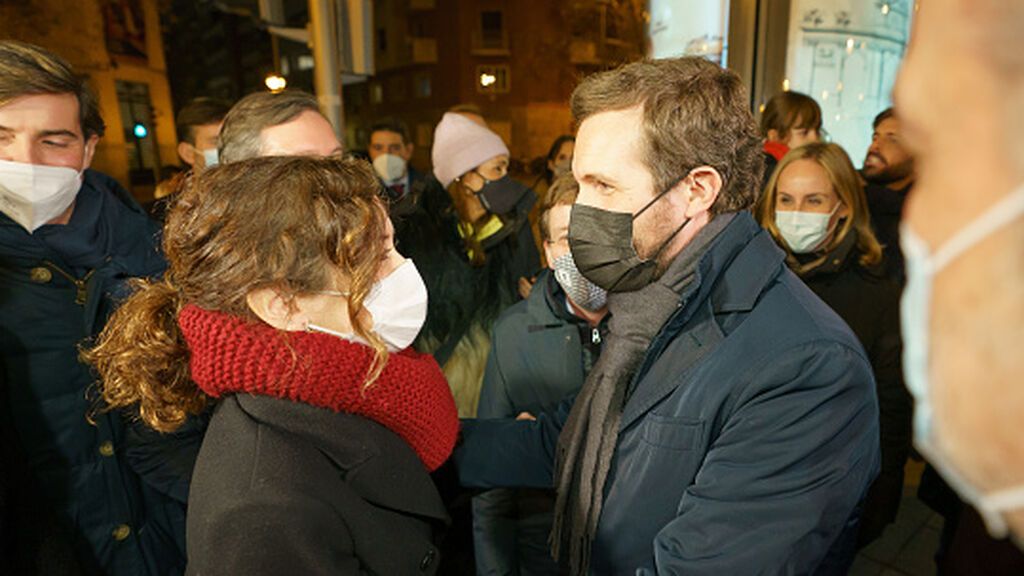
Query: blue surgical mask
x=922, y=267
x=210, y=158
x=804, y=231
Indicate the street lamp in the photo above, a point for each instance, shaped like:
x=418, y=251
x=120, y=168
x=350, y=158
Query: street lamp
x=275, y=82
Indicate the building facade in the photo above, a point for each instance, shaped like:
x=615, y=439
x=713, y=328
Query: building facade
x=517, y=60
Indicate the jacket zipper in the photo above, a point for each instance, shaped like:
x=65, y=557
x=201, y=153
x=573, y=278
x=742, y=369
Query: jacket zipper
x=81, y=286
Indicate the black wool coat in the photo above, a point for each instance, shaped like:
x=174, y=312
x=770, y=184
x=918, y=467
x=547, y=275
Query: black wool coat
x=282, y=487
x=867, y=299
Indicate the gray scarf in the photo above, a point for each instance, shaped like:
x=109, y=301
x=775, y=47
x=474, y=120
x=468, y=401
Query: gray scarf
x=587, y=442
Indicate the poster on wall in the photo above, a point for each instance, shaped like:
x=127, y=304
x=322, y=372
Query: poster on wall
x=846, y=54
x=689, y=28
x=124, y=23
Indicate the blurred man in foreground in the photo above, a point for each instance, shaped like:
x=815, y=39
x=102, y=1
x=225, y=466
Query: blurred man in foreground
x=963, y=239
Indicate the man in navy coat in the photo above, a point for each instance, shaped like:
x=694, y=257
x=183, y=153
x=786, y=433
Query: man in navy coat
x=70, y=241
x=730, y=425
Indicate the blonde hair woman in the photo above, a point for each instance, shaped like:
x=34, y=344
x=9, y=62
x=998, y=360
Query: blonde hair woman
x=814, y=207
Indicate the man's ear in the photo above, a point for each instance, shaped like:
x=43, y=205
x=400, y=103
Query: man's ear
x=187, y=153
x=705, y=185
x=773, y=135
x=269, y=305
x=409, y=148
x=547, y=254
x=89, y=151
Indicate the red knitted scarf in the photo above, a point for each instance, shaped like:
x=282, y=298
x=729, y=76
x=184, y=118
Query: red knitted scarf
x=411, y=397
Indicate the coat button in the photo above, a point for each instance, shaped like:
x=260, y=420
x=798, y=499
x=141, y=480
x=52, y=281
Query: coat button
x=107, y=448
x=40, y=275
x=121, y=532
x=428, y=559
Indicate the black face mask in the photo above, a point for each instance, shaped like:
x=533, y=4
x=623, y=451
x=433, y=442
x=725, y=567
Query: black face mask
x=500, y=196
x=601, y=242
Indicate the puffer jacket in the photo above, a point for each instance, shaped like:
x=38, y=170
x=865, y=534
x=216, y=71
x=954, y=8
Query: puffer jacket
x=57, y=288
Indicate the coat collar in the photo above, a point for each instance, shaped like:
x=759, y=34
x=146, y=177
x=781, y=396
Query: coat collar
x=738, y=278
x=363, y=450
x=548, y=299
x=843, y=257
x=730, y=278
x=733, y=272
x=107, y=224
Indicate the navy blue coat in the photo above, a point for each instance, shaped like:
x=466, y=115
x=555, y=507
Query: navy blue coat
x=116, y=523
x=540, y=354
x=748, y=439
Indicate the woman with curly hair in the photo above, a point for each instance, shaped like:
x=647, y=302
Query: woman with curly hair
x=287, y=306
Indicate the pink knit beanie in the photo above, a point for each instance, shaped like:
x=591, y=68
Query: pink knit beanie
x=461, y=145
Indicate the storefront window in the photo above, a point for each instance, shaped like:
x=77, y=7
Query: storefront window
x=845, y=54
x=690, y=28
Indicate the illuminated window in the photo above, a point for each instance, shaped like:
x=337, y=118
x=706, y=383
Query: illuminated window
x=492, y=79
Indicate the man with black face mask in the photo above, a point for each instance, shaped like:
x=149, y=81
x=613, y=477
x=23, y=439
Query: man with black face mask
x=730, y=424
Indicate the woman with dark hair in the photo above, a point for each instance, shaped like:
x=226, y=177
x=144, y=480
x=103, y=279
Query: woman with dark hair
x=558, y=160
x=287, y=306
x=548, y=168
x=789, y=120
x=489, y=250
x=814, y=207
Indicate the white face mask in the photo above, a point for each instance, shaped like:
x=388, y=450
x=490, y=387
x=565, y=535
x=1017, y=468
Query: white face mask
x=398, y=305
x=210, y=158
x=581, y=291
x=922, y=266
x=389, y=167
x=33, y=194
x=804, y=231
